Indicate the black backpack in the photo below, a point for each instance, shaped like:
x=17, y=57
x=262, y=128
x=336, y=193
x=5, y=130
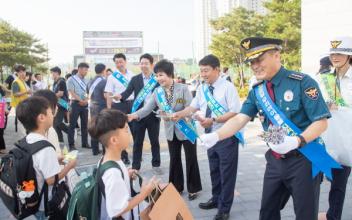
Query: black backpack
x=16, y=169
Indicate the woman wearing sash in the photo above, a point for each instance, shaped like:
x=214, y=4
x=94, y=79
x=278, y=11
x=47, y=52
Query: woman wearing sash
x=337, y=91
x=176, y=97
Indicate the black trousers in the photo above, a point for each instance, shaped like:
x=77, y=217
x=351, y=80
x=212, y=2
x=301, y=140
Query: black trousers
x=2, y=140
x=223, y=161
x=59, y=125
x=125, y=107
x=94, y=111
x=289, y=177
x=152, y=124
x=337, y=192
x=82, y=112
x=192, y=169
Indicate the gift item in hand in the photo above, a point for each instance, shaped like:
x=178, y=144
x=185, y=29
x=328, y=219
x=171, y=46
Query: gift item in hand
x=162, y=114
x=274, y=135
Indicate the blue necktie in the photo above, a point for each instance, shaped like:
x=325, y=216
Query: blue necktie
x=208, y=111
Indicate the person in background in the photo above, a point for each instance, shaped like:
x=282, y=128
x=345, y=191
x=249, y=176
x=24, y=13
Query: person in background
x=2, y=140
x=20, y=92
x=225, y=74
x=325, y=65
x=29, y=80
x=77, y=88
x=60, y=90
x=108, y=72
x=97, y=99
x=142, y=86
x=38, y=82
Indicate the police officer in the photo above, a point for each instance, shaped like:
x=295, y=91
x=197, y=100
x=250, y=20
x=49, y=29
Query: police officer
x=223, y=157
x=298, y=97
x=341, y=95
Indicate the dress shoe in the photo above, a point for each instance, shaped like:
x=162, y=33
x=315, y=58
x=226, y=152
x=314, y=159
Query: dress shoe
x=222, y=216
x=192, y=196
x=97, y=153
x=208, y=205
x=72, y=148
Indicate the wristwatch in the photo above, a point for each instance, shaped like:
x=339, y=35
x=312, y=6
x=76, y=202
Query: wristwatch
x=303, y=141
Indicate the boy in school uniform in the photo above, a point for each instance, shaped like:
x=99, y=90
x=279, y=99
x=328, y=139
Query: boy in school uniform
x=111, y=129
x=36, y=115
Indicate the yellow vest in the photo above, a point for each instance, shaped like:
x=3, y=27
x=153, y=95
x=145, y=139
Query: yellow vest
x=16, y=100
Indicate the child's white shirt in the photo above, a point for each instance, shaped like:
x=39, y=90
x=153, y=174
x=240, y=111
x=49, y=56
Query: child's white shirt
x=45, y=164
x=117, y=193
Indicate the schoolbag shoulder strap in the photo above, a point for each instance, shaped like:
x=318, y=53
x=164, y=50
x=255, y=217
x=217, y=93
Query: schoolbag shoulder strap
x=107, y=165
x=101, y=170
x=34, y=147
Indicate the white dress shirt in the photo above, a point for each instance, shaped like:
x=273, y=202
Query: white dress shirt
x=346, y=87
x=224, y=93
x=116, y=87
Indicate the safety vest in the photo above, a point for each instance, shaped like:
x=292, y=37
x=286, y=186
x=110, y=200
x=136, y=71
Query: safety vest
x=16, y=100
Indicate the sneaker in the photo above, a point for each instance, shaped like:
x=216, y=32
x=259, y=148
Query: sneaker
x=157, y=171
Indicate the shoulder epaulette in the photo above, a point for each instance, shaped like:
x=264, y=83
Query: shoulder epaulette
x=257, y=83
x=296, y=75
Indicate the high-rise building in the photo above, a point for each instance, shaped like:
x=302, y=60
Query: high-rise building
x=207, y=10
x=322, y=20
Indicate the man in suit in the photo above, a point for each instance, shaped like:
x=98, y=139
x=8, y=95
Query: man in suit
x=142, y=86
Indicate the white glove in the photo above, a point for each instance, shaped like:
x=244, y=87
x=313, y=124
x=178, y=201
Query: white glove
x=290, y=143
x=209, y=140
x=199, y=116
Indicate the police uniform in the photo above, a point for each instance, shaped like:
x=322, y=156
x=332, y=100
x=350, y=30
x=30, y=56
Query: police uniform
x=223, y=157
x=298, y=96
x=341, y=45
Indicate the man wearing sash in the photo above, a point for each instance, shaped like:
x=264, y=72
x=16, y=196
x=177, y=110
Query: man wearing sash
x=60, y=90
x=117, y=83
x=293, y=101
x=77, y=88
x=338, y=90
x=223, y=157
x=142, y=86
x=97, y=99
x=171, y=96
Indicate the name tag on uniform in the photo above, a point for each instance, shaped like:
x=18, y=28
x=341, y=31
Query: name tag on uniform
x=180, y=101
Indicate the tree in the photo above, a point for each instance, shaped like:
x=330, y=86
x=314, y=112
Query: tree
x=229, y=31
x=18, y=47
x=284, y=22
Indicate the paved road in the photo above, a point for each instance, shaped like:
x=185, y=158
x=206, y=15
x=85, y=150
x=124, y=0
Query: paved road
x=249, y=180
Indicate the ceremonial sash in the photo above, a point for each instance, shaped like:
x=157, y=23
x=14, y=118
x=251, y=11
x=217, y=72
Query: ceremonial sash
x=181, y=125
x=63, y=104
x=329, y=83
x=144, y=92
x=218, y=109
x=92, y=87
x=121, y=78
x=314, y=151
x=80, y=83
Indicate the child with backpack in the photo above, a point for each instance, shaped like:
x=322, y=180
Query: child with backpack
x=111, y=129
x=37, y=114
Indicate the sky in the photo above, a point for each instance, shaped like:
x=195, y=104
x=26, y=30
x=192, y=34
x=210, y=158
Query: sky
x=60, y=23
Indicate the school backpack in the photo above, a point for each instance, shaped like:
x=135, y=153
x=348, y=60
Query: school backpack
x=86, y=196
x=18, y=182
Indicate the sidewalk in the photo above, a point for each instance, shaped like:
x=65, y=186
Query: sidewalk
x=249, y=179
